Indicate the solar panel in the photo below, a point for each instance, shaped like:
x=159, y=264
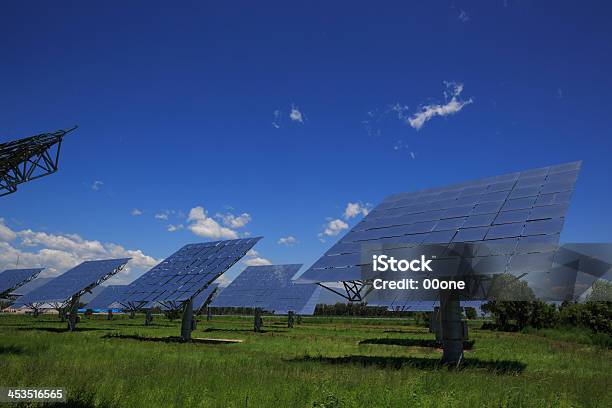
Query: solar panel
x=12, y=279
x=107, y=299
x=73, y=283
x=30, y=286
x=185, y=273
x=516, y=207
x=269, y=287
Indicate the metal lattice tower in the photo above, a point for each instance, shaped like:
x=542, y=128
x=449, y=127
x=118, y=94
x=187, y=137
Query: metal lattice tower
x=29, y=158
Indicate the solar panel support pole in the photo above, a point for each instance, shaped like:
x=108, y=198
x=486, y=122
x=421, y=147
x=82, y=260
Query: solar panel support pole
x=73, y=316
x=148, y=317
x=132, y=314
x=208, y=313
x=187, y=324
x=290, y=319
x=452, y=328
x=257, y=320
x=110, y=314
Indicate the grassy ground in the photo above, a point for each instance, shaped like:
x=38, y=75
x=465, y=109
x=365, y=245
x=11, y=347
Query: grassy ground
x=323, y=362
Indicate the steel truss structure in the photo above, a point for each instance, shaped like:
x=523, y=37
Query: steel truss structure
x=29, y=158
x=354, y=291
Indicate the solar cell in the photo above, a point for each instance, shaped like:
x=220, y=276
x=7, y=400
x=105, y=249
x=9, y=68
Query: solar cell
x=270, y=288
x=184, y=274
x=11, y=279
x=73, y=283
x=502, y=209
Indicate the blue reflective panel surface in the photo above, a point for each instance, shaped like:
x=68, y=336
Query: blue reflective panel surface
x=523, y=204
x=186, y=273
x=107, y=299
x=73, y=282
x=12, y=279
x=271, y=288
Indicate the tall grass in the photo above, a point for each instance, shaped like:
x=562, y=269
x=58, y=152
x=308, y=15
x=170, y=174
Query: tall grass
x=322, y=362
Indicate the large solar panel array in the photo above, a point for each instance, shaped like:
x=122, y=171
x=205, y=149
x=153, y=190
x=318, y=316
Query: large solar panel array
x=518, y=209
x=107, y=299
x=73, y=283
x=185, y=274
x=11, y=279
x=270, y=288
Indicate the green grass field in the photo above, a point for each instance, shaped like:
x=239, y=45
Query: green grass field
x=323, y=362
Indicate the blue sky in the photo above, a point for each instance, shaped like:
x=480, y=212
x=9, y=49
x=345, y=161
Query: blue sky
x=189, y=106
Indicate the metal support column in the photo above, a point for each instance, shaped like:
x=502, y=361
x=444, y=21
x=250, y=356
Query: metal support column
x=290, y=319
x=208, y=314
x=74, y=313
x=110, y=314
x=148, y=317
x=187, y=324
x=258, y=321
x=452, y=328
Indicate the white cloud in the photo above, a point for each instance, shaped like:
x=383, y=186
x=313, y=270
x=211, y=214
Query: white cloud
x=161, y=216
x=234, y=221
x=454, y=105
x=296, y=115
x=252, y=258
x=288, y=241
x=96, y=185
x=333, y=227
x=59, y=252
x=277, y=119
x=172, y=227
x=355, y=209
x=136, y=212
x=6, y=234
x=464, y=17
x=204, y=226
x=223, y=281
x=256, y=261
